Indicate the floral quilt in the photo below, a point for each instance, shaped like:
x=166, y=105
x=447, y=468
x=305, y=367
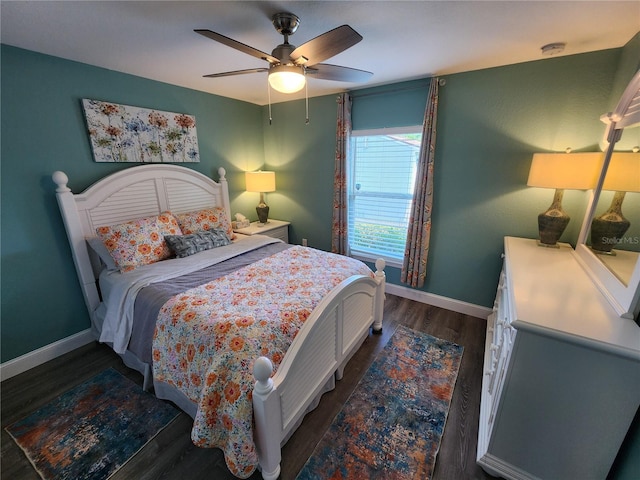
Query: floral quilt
x=207, y=338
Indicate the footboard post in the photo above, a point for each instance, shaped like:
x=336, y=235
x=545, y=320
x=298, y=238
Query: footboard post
x=379, y=306
x=268, y=424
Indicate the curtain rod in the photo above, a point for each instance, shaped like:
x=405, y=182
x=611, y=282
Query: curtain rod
x=442, y=82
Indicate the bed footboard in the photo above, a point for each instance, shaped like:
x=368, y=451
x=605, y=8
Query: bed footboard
x=328, y=339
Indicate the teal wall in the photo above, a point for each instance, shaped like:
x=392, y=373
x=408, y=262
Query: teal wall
x=43, y=130
x=490, y=122
x=627, y=66
x=303, y=156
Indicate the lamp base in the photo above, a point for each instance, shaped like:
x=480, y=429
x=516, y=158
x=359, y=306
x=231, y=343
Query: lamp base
x=547, y=245
x=551, y=224
x=263, y=213
x=608, y=229
x=551, y=228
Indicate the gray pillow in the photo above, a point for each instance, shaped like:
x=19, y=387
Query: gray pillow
x=185, y=245
x=97, y=246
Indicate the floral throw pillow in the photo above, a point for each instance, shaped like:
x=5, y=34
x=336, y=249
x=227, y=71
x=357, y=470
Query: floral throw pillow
x=205, y=220
x=139, y=242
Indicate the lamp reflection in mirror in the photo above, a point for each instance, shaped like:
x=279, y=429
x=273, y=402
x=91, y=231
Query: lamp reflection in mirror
x=261, y=182
x=574, y=171
x=622, y=176
x=287, y=78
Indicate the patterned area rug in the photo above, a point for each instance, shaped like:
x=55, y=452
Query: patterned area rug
x=92, y=430
x=391, y=425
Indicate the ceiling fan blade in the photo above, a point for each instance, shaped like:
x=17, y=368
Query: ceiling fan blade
x=229, y=42
x=326, y=45
x=236, y=72
x=325, y=71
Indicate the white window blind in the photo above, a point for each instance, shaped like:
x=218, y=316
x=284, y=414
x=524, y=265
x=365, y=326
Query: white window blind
x=381, y=179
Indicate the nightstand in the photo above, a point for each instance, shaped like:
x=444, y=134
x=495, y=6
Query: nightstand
x=273, y=228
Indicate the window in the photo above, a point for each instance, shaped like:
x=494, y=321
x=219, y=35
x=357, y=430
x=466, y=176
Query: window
x=382, y=168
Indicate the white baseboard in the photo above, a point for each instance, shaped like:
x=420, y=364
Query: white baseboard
x=37, y=357
x=439, y=301
x=498, y=467
x=29, y=360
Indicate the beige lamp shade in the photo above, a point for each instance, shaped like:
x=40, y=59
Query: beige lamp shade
x=623, y=173
x=572, y=171
x=260, y=181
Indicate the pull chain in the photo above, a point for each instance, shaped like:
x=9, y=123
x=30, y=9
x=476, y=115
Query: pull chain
x=306, y=99
x=269, y=94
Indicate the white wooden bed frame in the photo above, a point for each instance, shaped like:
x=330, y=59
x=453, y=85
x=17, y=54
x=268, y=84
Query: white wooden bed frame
x=320, y=351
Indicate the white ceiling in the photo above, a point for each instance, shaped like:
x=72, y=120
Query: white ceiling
x=403, y=40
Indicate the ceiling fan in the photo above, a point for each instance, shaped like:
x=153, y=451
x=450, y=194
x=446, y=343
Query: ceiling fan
x=288, y=64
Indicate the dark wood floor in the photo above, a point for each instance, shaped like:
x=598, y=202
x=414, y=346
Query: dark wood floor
x=171, y=455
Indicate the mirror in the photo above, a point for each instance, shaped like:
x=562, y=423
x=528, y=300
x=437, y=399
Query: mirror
x=609, y=241
x=614, y=234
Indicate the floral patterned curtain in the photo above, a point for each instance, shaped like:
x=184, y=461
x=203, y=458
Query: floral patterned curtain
x=414, y=268
x=339, y=242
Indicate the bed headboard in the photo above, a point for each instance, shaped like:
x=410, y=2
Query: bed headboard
x=133, y=193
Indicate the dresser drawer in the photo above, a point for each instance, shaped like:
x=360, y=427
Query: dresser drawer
x=551, y=332
x=281, y=232
x=502, y=336
x=273, y=228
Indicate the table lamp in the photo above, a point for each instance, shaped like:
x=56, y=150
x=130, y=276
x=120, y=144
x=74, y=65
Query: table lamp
x=623, y=175
x=261, y=182
x=575, y=171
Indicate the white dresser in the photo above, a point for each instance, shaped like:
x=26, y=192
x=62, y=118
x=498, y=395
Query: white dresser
x=561, y=371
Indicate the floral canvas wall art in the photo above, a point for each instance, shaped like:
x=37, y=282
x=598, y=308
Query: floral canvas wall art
x=122, y=133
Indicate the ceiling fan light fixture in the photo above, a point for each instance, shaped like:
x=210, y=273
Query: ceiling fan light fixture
x=286, y=78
